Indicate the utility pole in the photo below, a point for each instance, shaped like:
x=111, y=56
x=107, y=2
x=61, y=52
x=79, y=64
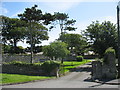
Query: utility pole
x=118, y=27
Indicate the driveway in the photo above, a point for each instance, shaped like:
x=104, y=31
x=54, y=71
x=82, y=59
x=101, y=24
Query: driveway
x=79, y=78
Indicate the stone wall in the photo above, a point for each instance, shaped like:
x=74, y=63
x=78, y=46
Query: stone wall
x=24, y=58
x=27, y=70
x=90, y=56
x=109, y=68
x=36, y=58
x=96, y=70
x=105, y=70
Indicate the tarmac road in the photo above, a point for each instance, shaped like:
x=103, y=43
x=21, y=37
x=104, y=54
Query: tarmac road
x=78, y=78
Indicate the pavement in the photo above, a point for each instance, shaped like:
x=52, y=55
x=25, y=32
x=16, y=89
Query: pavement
x=77, y=78
x=111, y=82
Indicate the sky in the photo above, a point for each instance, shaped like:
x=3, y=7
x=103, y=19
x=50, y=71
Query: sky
x=83, y=11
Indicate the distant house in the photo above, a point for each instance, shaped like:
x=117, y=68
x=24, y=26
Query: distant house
x=90, y=53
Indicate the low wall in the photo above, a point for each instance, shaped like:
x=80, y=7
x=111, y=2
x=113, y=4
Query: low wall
x=24, y=58
x=26, y=70
x=103, y=71
x=90, y=56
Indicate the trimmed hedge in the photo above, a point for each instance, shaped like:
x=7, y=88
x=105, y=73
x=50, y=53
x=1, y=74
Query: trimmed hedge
x=50, y=65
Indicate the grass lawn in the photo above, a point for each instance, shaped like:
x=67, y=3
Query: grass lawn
x=16, y=78
x=69, y=65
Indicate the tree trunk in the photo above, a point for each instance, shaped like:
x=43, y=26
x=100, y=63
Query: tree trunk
x=62, y=61
x=31, y=43
x=15, y=46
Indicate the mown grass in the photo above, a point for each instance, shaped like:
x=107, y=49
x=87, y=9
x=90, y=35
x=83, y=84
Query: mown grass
x=16, y=78
x=70, y=65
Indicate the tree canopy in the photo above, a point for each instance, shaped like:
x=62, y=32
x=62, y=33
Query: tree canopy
x=62, y=20
x=36, y=30
x=56, y=50
x=76, y=43
x=102, y=36
x=13, y=31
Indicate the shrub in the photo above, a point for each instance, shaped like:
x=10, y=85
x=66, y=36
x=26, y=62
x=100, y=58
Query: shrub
x=79, y=58
x=16, y=63
x=110, y=50
x=99, y=59
x=49, y=66
x=56, y=50
x=19, y=63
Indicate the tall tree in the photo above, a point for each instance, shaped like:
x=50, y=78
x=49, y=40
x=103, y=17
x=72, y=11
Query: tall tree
x=5, y=25
x=56, y=50
x=64, y=23
x=13, y=31
x=102, y=36
x=76, y=43
x=39, y=34
x=35, y=19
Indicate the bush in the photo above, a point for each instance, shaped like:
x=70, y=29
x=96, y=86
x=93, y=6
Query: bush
x=99, y=59
x=79, y=58
x=56, y=50
x=16, y=63
x=110, y=50
x=19, y=63
x=49, y=66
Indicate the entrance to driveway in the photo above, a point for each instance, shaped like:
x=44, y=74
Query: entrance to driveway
x=78, y=78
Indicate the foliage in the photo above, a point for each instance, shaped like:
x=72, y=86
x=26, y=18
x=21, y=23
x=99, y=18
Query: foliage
x=6, y=48
x=110, y=50
x=36, y=31
x=50, y=65
x=56, y=50
x=36, y=49
x=99, y=59
x=68, y=65
x=76, y=43
x=9, y=49
x=13, y=30
x=19, y=63
x=102, y=36
x=47, y=18
x=16, y=63
x=31, y=14
x=79, y=58
x=64, y=23
x=16, y=78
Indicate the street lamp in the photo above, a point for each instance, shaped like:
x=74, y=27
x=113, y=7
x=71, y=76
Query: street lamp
x=118, y=23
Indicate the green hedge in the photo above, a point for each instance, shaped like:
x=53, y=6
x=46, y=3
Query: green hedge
x=19, y=63
x=50, y=65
